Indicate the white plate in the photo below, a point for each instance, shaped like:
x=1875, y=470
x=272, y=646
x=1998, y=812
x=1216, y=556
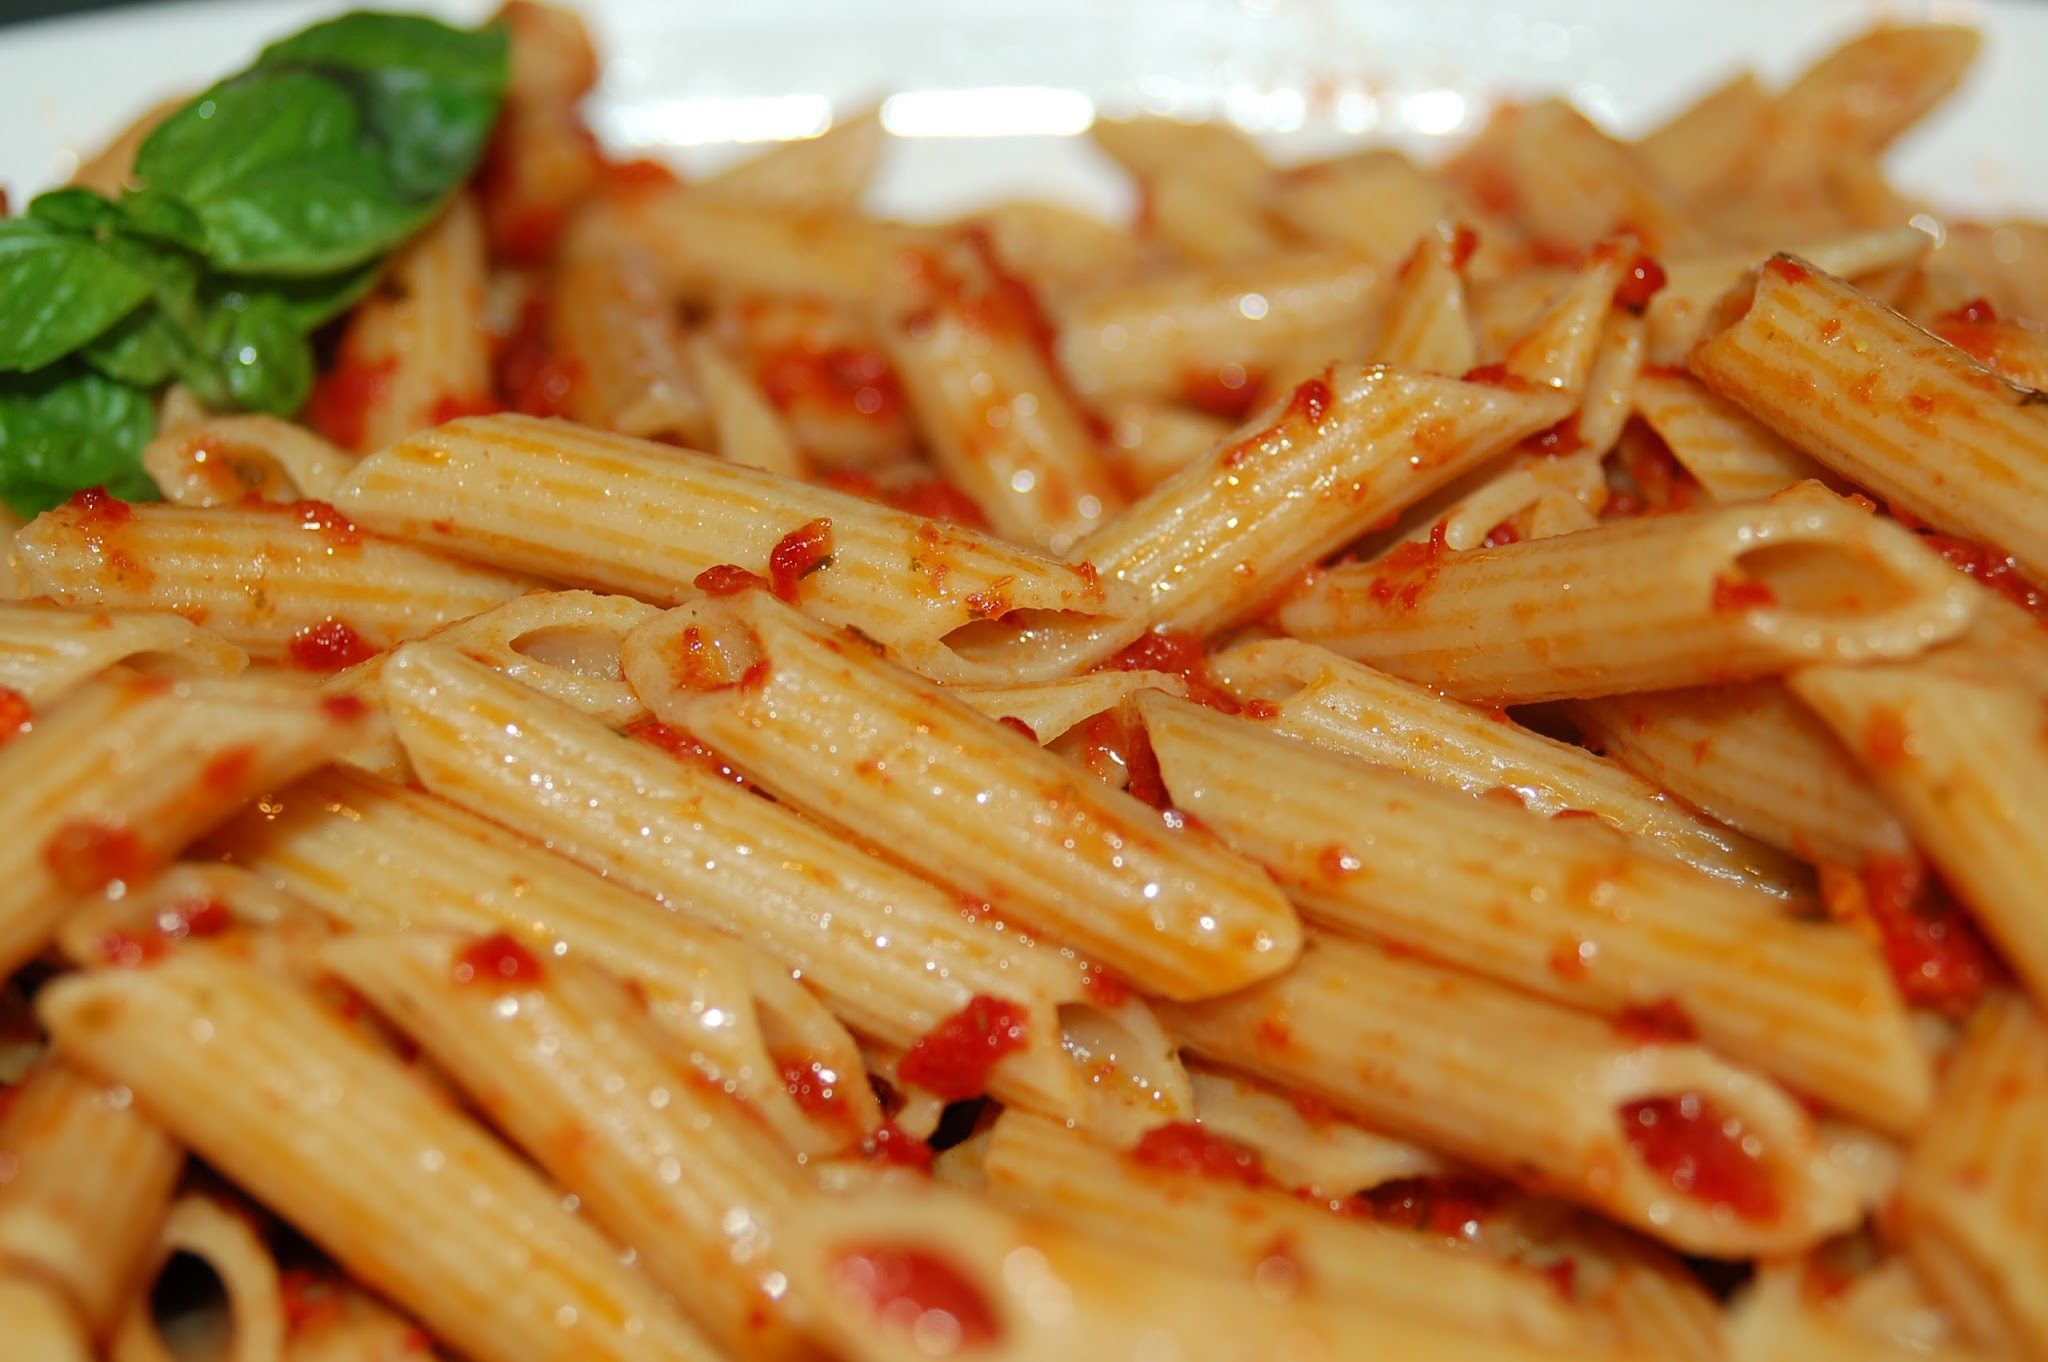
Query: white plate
x=988, y=93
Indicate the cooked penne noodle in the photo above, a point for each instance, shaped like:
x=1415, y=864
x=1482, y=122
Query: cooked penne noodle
x=744, y=425
x=1207, y=223
x=407, y=1193
x=864, y=1263
x=542, y=161
x=1213, y=150
x=225, y=460
x=1303, y=1142
x=970, y=349
x=1611, y=383
x=1560, y=347
x=1217, y=540
x=107, y=787
x=1571, y=184
x=1560, y=910
x=293, y=583
x=87, y=1183
x=818, y=174
x=1971, y=1208
x=1755, y=758
x=108, y=170
x=1058, y=248
x=1377, y=206
x=1734, y=457
x=416, y=354
x=1654, y=1301
x=895, y=957
x=1155, y=1210
x=1539, y=1093
x=1176, y=330
x=219, y=1234
x=1719, y=594
x=1050, y=708
x=958, y=798
x=46, y=654
x=380, y=858
x=1334, y=703
x=613, y=328
x=547, y=495
x=36, y=1321
x=1701, y=149
x=714, y=247
x=1150, y=440
x=357, y=1328
x=1920, y=423
x=1778, y=1319
x=191, y=898
x=1861, y=96
x=558, y=1056
x=1425, y=326
x=2017, y=350
x=1963, y=763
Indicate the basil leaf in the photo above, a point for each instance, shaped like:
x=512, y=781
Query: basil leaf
x=316, y=301
x=58, y=290
x=335, y=147
x=68, y=428
x=72, y=209
x=143, y=350
x=261, y=357
x=430, y=93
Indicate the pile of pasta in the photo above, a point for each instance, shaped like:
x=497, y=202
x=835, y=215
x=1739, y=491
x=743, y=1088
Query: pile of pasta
x=1383, y=763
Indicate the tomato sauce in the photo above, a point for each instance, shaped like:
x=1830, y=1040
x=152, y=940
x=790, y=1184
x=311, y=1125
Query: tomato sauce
x=132, y=950
x=1791, y=271
x=344, y=709
x=454, y=406
x=1702, y=1152
x=531, y=377
x=498, y=960
x=728, y=579
x=917, y=1293
x=339, y=406
x=1228, y=391
x=1644, y=279
x=1659, y=1023
x=98, y=506
x=15, y=714
x=1451, y=1206
x=310, y=1301
x=815, y=1088
x=1184, y=1147
x=952, y=1061
x=86, y=856
x=1108, y=744
x=1018, y=726
x=1408, y=571
x=1734, y=596
x=797, y=555
x=682, y=745
x=1558, y=440
x=891, y=1146
x=1936, y=954
x=1991, y=568
x=1177, y=653
x=320, y=518
x=844, y=378
x=1464, y=241
x=328, y=646
x=1311, y=402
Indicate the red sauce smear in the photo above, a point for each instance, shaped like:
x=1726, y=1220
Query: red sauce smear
x=682, y=745
x=1017, y=725
x=727, y=579
x=1562, y=438
x=98, y=506
x=454, y=406
x=15, y=714
x=328, y=646
x=1104, y=987
x=1108, y=743
x=1184, y=1147
x=339, y=406
x=891, y=1146
x=1497, y=376
x=815, y=1088
x=227, y=771
x=1311, y=402
x=1791, y=271
x=344, y=709
x=932, y=498
x=1464, y=241
x=1661, y=1022
x=1936, y=955
x=916, y=1292
x=1644, y=279
x=797, y=555
x=318, y=516
x=1178, y=653
x=1699, y=1149
x=1998, y=571
x=497, y=960
x=952, y=1061
x=1451, y=1206
x=198, y=917
x=1501, y=535
x=636, y=176
x=531, y=377
x=1735, y=597
x=840, y=377
x=1408, y=571
x=86, y=856
x=309, y=1301
x=132, y=950
x=1228, y=391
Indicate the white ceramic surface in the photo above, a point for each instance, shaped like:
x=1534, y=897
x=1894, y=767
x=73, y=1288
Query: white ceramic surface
x=988, y=93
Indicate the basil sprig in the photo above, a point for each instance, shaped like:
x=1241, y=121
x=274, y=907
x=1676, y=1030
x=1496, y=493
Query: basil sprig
x=262, y=209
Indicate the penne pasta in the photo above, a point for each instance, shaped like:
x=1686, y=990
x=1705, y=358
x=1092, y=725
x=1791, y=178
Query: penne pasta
x=744, y=425
x=1551, y=1097
x=1376, y=206
x=546, y=496
x=1970, y=1205
x=380, y=858
x=1734, y=457
x=1961, y=762
x=1425, y=326
x=295, y=583
x=558, y=1056
x=1151, y=440
x=1142, y=1203
x=1571, y=184
x=107, y=787
x=219, y=1234
x=1861, y=96
x=1701, y=150
x=1920, y=423
x=1557, y=909
x=1302, y=1142
x=46, y=654
x=714, y=247
x=407, y=1193
x=37, y=1322
x=87, y=1183
x=959, y=799
x=817, y=174
x=893, y=956
x=1755, y=758
x=1051, y=708
x=225, y=460
x=1778, y=1320
x=1714, y=595
x=613, y=329
x=1215, y=542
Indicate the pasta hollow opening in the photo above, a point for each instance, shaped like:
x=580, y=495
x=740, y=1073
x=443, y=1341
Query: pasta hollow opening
x=712, y=649
x=1825, y=581
x=582, y=650
x=989, y=641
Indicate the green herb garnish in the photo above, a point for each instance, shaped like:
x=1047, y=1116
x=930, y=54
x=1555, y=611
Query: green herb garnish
x=263, y=209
